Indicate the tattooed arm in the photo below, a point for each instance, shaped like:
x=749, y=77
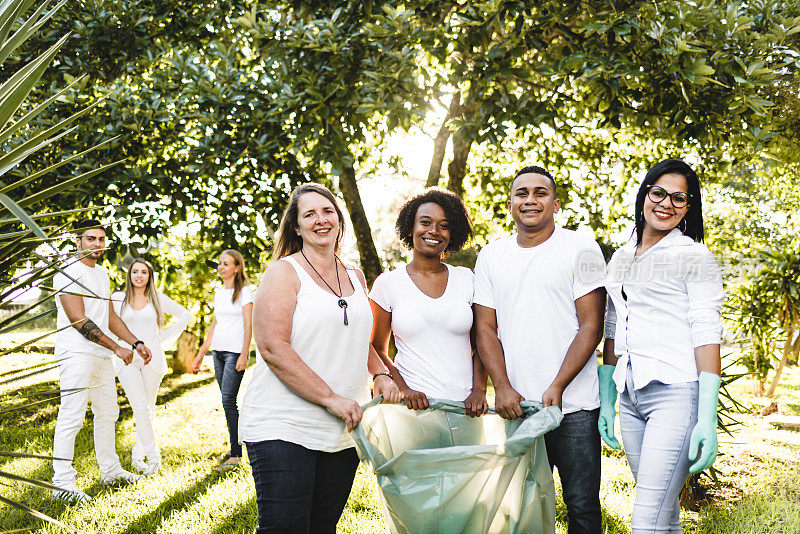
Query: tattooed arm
x=73, y=307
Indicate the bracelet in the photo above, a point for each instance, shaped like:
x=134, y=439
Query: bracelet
x=136, y=344
x=384, y=373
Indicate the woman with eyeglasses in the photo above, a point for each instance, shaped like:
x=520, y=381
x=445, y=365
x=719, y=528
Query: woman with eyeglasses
x=662, y=347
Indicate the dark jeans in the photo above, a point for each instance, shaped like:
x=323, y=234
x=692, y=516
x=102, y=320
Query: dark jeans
x=300, y=491
x=574, y=447
x=229, y=380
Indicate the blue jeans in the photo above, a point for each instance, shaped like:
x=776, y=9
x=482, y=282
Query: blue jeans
x=229, y=380
x=574, y=447
x=298, y=490
x=656, y=423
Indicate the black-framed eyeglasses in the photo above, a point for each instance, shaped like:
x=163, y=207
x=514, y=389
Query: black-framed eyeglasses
x=656, y=194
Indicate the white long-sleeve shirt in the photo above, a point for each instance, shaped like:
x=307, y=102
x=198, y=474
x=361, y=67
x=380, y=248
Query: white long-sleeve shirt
x=144, y=325
x=661, y=306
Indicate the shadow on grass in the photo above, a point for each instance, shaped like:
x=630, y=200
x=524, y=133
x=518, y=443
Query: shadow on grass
x=179, y=500
x=171, y=388
x=44, y=413
x=242, y=518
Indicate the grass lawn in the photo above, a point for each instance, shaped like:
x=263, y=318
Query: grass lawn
x=759, y=489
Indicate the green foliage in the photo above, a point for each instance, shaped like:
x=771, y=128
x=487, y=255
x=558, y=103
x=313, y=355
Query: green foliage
x=28, y=255
x=765, y=310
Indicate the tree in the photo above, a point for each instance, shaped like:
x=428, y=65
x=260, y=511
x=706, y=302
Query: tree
x=766, y=310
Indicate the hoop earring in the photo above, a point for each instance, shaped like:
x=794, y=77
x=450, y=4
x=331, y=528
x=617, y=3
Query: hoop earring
x=682, y=225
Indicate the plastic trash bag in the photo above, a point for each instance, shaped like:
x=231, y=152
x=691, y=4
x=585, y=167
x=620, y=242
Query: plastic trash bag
x=441, y=471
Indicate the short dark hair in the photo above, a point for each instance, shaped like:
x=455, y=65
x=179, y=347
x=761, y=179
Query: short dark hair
x=535, y=169
x=87, y=224
x=454, y=209
x=692, y=223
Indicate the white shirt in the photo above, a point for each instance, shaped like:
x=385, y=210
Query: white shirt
x=229, y=331
x=674, y=304
x=434, y=354
x=92, y=282
x=143, y=324
x=336, y=352
x=533, y=291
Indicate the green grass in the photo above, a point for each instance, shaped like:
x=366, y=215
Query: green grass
x=759, y=490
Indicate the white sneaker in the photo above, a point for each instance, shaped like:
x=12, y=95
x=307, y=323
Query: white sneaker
x=121, y=476
x=139, y=464
x=151, y=468
x=70, y=494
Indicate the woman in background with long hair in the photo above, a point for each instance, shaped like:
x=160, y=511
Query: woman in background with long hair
x=229, y=341
x=142, y=308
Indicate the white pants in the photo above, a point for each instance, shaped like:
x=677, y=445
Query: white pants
x=140, y=383
x=96, y=373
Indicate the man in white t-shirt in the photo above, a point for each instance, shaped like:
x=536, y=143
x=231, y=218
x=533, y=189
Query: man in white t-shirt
x=84, y=351
x=539, y=303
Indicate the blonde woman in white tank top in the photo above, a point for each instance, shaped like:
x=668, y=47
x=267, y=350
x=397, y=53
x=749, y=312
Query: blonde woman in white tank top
x=311, y=323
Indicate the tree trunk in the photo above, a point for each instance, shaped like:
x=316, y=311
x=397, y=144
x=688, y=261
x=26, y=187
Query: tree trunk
x=187, y=349
x=370, y=262
x=787, y=349
x=758, y=383
x=462, y=142
x=793, y=357
x=440, y=143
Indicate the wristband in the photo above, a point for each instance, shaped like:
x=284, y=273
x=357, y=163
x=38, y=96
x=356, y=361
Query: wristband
x=136, y=344
x=384, y=373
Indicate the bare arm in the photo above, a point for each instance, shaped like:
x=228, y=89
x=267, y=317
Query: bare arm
x=475, y=403
x=381, y=330
x=382, y=384
x=76, y=313
x=590, y=310
x=201, y=352
x=247, y=316
x=708, y=359
x=491, y=354
x=273, y=312
x=609, y=358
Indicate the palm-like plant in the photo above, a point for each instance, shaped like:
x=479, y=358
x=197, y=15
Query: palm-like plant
x=24, y=239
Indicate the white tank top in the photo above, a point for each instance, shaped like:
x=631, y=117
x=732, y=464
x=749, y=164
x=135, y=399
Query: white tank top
x=334, y=351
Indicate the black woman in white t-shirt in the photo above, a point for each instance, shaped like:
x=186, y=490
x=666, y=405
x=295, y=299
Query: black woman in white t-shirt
x=229, y=341
x=427, y=305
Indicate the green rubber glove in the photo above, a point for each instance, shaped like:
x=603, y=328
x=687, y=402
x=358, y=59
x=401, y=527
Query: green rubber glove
x=608, y=405
x=705, y=431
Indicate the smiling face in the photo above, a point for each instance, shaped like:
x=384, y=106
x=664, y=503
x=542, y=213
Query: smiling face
x=663, y=216
x=227, y=267
x=431, y=232
x=533, y=203
x=139, y=275
x=317, y=221
x=92, y=242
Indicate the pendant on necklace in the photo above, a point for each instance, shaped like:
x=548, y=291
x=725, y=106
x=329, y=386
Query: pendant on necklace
x=343, y=306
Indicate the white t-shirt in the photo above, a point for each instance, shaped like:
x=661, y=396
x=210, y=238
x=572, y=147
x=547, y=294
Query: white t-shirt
x=229, y=332
x=85, y=280
x=533, y=290
x=336, y=352
x=143, y=324
x=434, y=355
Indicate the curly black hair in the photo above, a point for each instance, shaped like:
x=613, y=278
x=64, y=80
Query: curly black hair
x=454, y=210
